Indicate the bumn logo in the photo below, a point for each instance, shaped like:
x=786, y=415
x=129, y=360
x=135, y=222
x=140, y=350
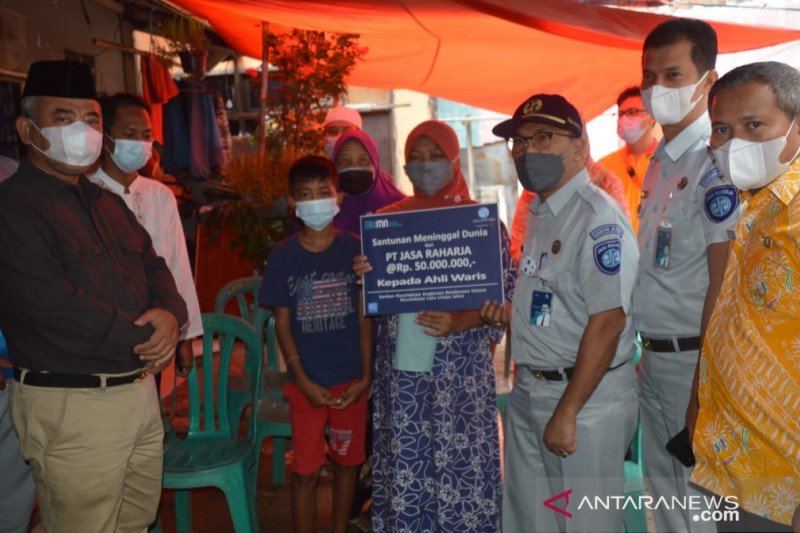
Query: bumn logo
x=381, y=223
x=563, y=510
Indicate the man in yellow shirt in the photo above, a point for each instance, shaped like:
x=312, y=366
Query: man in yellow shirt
x=747, y=431
x=639, y=131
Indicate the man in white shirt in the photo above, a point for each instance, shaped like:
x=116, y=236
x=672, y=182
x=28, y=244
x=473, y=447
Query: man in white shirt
x=687, y=215
x=572, y=411
x=127, y=146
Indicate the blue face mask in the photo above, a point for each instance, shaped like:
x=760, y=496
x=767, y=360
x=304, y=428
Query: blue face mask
x=131, y=155
x=317, y=214
x=539, y=172
x=430, y=176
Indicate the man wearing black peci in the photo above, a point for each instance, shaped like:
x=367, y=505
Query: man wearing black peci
x=90, y=312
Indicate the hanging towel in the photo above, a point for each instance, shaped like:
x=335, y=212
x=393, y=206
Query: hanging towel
x=157, y=89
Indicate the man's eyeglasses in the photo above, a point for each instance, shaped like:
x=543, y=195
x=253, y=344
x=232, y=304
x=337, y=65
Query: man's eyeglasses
x=632, y=112
x=539, y=141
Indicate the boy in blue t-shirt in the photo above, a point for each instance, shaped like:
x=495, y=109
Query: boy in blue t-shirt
x=326, y=342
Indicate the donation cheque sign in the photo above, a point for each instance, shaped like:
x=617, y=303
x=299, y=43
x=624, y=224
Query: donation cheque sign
x=436, y=259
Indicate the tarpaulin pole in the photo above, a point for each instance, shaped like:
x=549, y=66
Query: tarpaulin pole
x=262, y=108
x=470, y=158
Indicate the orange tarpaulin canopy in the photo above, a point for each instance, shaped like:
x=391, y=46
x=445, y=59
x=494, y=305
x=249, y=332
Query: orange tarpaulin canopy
x=487, y=53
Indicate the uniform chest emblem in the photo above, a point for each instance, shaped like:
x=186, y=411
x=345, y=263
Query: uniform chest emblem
x=527, y=265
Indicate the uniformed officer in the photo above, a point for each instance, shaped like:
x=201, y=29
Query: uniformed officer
x=687, y=214
x=573, y=410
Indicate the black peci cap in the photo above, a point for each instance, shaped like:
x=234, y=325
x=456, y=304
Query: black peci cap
x=63, y=79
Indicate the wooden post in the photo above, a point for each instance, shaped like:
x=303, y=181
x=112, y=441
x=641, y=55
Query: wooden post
x=238, y=101
x=262, y=110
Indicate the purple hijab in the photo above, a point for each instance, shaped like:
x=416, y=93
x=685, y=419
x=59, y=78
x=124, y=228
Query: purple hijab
x=381, y=194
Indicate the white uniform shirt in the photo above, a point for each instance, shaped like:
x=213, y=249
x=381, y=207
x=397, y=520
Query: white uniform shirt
x=579, y=249
x=688, y=201
x=156, y=209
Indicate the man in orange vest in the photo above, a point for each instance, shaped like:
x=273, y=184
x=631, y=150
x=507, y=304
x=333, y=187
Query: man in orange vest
x=640, y=133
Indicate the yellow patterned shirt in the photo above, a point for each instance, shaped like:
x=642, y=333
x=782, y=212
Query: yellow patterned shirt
x=747, y=437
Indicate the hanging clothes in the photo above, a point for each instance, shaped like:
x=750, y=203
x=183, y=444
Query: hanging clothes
x=191, y=136
x=157, y=89
x=226, y=141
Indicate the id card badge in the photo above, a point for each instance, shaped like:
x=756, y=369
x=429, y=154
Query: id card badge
x=541, y=308
x=661, y=258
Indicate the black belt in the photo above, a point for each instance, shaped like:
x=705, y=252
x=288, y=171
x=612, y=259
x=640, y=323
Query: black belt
x=564, y=374
x=69, y=381
x=683, y=344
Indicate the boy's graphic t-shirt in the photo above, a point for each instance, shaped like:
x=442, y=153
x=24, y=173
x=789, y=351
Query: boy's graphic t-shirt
x=320, y=291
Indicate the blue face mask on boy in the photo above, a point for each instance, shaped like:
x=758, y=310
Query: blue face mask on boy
x=317, y=214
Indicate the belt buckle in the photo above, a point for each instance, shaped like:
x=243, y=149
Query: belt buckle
x=537, y=374
x=141, y=375
x=646, y=343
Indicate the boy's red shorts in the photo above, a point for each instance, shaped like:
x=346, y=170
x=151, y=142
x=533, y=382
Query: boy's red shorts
x=346, y=430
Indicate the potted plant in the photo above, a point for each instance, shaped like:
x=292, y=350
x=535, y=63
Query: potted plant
x=260, y=216
x=312, y=67
x=311, y=70
x=186, y=37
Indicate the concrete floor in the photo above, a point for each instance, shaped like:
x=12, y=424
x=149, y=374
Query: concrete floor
x=210, y=510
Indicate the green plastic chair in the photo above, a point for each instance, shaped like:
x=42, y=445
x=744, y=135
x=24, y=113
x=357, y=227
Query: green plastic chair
x=245, y=292
x=210, y=456
x=635, y=520
x=273, y=411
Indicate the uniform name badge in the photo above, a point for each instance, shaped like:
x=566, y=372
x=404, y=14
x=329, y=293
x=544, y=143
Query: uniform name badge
x=661, y=259
x=541, y=308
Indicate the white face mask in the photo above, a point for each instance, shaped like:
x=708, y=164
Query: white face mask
x=317, y=214
x=752, y=165
x=668, y=105
x=131, y=155
x=631, y=129
x=78, y=144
